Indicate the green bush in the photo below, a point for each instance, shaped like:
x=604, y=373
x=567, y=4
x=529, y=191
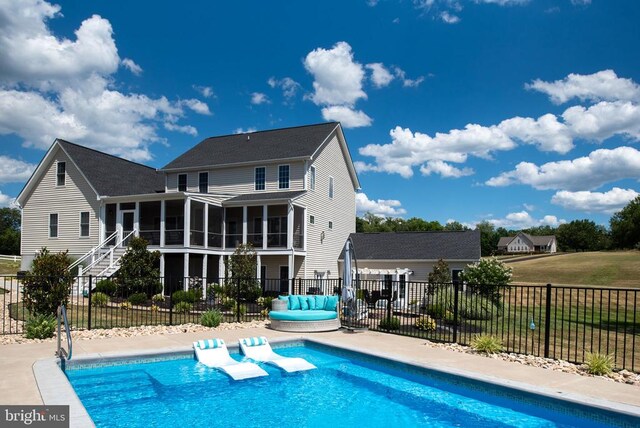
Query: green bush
x=138, y=271
x=138, y=299
x=107, y=287
x=227, y=303
x=486, y=343
x=599, y=364
x=241, y=309
x=265, y=302
x=211, y=318
x=99, y=300
x=183, y=307
x=436, y=310
x=475, y=307
x=48, y=284
x=158, y=298
x=41, y=327
x=184, y=296
x=426, y=324
x=387, y=323
x=449, y=318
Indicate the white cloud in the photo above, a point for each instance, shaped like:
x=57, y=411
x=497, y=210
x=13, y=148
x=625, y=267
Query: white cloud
x=529, y=207
x=580, y=2
x=605, y=202
x=348, y=117
x=585, y=173
x=380, y=76
x=7, y=201
x=196, y=105
x=604, y=120
x=258, y=98
x=14, y=170
x=545, y=132
x=604, y=85
x=524, y=220
x=444, y=169
x=205, y=91
x=185, y=129
x=504, y=2
x=132, y=66
x=289, y=86
x=449, y=18
x=244, y=131
x=54, y=87
x=381, y=207
x=337, y=77
x=406, y=82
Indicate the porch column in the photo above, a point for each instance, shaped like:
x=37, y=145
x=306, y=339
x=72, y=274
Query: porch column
x=185, y=272
x=259, y=267
x=136, y=219
x=224, y=229
x=290, y=276
x=187, y=222
x=162, y=271
x=244, y=224
x=265, y=214
x=102, y=234
x=163, y=214
x=206, y=226
x=221, y=267
x=304, y=231
x=290, y=226
x=205, y=280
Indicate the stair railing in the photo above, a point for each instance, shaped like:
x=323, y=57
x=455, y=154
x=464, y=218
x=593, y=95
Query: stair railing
x=91, y=253
x=62, y=319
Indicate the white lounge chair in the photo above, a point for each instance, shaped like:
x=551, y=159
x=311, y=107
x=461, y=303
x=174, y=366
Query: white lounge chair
x=258, y=349
x=214, y=353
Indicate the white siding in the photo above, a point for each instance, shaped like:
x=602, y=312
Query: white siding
x=240, y=180
x=68, y=201
x=341, y=210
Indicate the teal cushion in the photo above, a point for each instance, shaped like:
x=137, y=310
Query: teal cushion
x=285, y=298
x=321, y=301
x=311, y=300
x=303, y=315
x=294, y=303
x=332, y=303
x=304, y=303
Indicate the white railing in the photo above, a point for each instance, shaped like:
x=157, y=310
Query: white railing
x=10, y=258
x=92, y=253
x=107, y=254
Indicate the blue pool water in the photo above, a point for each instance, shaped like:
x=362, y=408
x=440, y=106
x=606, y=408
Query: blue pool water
x=347, y=389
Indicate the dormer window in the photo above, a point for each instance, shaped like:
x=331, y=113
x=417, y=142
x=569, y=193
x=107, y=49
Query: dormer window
x=260, y=178
x=203, y=182
x=61, y=173
x=283, y=176
x=182, y=182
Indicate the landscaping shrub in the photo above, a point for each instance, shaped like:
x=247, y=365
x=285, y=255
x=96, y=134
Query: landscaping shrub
x=486, y=343
x=227, y=303
x=387, y=323
x=436, y=310
x=265, y=302
x=599, y=364
x=125, y=306
x=426, y=324
x=138, y=271
x=138, y=299
x=99, y=300
x=211, y=318
x=106, y=286
x=158, y=298
x=41, y=327
x=48, y=284
x=183, y=307
x=474, y=307
x=154, y=308
x=242, y=309
x=450, y=319
x=183, y=296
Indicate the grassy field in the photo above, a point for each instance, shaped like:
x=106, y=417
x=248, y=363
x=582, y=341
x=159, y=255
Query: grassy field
x=8, y=267
x=611, y=269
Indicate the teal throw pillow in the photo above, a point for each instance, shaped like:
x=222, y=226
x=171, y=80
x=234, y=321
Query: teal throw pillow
x=286, y=298
x=294, y=303
x=311, y=300
x=304, y=303
x=321, y=302
x=332, y=303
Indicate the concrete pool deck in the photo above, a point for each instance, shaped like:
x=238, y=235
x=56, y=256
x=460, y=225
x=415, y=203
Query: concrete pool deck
x=18, y=384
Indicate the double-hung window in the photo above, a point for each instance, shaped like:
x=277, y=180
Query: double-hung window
x=260, y=178
x=203, y=182
x=61, y=173
x=283, y=176
x=330, y=187
x=84, y=224
x=312, y=178
x=182, y=182
x=53, y=225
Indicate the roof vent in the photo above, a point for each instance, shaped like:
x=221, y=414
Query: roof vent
x=248, y=137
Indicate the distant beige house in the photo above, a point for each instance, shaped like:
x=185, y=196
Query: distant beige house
x=290, y=192
x=525, y=243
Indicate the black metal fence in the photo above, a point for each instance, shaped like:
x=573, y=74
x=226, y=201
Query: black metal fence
x=550, y=321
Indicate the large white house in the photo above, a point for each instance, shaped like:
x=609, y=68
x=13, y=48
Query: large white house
x=525, y=243
x=290, y=192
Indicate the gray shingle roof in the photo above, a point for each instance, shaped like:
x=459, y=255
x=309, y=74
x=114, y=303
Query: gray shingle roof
x=450, y=245
x=265, y=196
x=111, y=175
x=298, y=142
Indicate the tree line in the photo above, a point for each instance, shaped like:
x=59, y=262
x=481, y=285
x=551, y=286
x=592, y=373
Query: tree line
x=578, y=235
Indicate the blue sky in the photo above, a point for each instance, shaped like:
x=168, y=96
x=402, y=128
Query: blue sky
x=518, y=112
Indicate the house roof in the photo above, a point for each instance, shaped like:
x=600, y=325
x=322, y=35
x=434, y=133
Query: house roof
x=254, y=147
x=504, y=241
x=113, y=176
x=449, y=245
x=535, y=240
x=271, y=196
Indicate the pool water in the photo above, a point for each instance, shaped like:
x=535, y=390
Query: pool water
x=345, y=390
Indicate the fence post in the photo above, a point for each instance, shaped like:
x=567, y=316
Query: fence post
x=238, y=299
x=455, y=311
x=547, y=322
x=170, y=307
x=89, y=309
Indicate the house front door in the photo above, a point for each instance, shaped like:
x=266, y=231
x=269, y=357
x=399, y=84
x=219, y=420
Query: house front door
x=128, y=224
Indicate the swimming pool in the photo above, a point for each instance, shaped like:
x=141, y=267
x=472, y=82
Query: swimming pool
x=347, y=389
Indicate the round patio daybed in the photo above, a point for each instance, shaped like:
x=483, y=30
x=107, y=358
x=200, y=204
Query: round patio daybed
x=295, y=314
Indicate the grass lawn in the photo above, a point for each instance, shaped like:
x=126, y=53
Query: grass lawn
x=612, y=269
x=8, y=267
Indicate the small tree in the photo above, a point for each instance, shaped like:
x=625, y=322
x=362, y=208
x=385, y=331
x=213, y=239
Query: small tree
x=48, y=283
x=438, y=276
x=486, y=277
x=138, y=271
x=241, y=268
